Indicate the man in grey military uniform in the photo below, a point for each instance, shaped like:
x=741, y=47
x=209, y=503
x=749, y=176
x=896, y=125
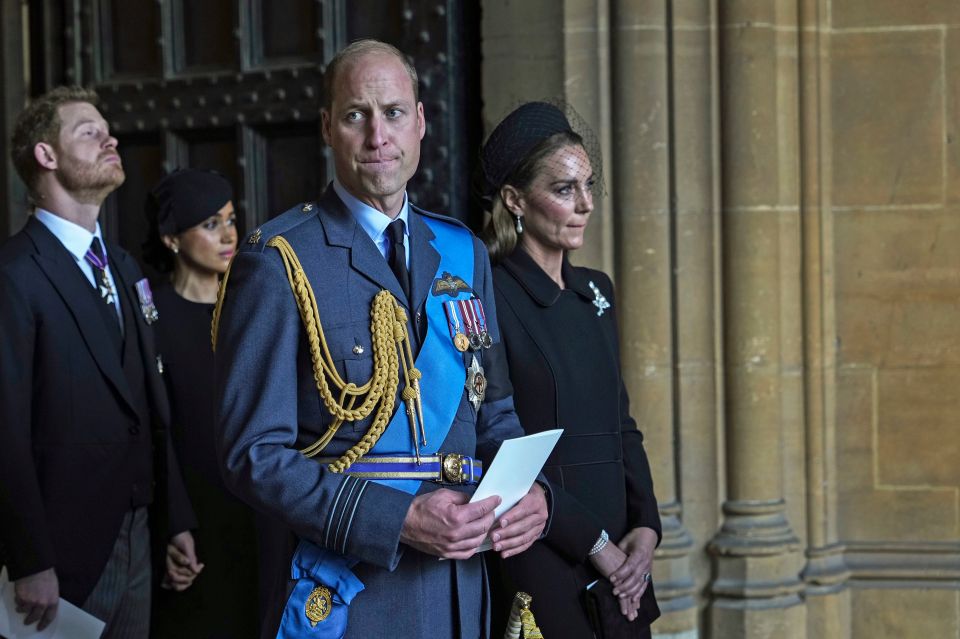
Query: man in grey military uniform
x=384, y=537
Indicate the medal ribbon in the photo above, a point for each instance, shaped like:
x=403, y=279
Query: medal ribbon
x=478, y=307
x=469, y=322
x=147, y=307
x=453, y=321
x=100, y=264
x=465, y=314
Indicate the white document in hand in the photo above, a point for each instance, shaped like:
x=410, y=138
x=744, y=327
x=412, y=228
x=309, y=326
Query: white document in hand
x=70, y=623
x=514, y=469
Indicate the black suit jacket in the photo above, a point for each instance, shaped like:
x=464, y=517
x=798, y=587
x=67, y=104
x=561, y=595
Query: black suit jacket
x=75, y=425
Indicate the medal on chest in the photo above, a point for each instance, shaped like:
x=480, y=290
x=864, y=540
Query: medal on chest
x=460, y=340
x=475, y=323
x=481, y=318
x=476, y=383
x=470, y=324
x=147, y=307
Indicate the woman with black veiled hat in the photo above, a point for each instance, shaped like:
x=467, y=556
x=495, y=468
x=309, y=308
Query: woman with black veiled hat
x=192, y=238
x=590, y=575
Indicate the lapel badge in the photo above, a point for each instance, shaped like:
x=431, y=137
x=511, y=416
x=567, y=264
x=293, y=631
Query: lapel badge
x=255, y=237
x=448, y=284
x=147, y=307
x=306, y=208
x=318, y=606
x=476, y=383
x=159, y=364
x=598, y=299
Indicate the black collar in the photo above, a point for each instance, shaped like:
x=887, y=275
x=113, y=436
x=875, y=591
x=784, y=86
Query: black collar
x=538, y=284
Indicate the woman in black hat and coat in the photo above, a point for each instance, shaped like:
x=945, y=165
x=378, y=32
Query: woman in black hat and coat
x=192, y=238
x=591, y=574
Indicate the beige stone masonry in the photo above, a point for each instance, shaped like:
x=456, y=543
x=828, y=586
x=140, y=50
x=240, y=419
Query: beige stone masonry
x=783, y=225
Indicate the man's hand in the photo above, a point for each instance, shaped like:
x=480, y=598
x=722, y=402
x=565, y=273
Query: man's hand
x=182, y=564
x=37, y=596
x=442, y=523
x=521, y=525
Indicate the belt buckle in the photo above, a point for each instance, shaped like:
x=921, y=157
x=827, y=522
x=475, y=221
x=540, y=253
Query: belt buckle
x=452, y=467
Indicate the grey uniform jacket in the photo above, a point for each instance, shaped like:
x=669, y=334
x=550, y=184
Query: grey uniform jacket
x=269, y=407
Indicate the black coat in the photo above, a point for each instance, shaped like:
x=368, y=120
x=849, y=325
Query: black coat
x=564, y=363
x=76, y=410
x=226, y=540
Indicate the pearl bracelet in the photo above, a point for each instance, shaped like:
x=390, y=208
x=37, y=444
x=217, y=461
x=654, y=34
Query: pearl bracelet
x=600, y=544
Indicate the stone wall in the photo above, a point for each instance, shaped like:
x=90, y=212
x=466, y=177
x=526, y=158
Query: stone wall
x=782, y=223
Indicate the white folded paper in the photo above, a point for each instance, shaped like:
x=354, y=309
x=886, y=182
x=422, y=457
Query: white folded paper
x=514, y=469
x=70, y=623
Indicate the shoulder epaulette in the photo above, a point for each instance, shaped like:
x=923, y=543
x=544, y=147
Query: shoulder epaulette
x=257, y=240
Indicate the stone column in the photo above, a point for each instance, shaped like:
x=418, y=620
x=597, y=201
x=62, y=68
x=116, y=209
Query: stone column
x=696, y=238
x=642, y=206
x=586, y=60
x=826, y=572
x=756, y=590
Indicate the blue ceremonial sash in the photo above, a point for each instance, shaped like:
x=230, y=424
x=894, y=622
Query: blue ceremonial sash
x=442, y=388
x=440, y=362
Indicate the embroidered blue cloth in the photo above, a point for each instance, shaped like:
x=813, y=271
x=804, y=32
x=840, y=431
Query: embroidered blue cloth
x=313, y=566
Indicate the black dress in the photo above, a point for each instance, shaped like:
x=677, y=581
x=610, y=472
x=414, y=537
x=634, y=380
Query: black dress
x=563, y=355
x=223, y=600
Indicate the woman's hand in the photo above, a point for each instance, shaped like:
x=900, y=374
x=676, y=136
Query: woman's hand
x=182, y=564
x=631, y=578
x=607, y=562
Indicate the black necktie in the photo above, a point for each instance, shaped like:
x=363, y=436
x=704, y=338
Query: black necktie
x=398, y=256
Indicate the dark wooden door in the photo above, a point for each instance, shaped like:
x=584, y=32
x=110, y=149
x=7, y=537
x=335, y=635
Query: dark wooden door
x=235, y=85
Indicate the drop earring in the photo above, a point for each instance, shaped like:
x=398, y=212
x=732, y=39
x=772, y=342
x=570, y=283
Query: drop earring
x=518, y=224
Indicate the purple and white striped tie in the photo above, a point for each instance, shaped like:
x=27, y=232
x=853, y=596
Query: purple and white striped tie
x=98, y=260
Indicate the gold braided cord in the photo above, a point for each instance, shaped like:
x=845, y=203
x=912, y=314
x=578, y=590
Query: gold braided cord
x=521, y=624
x=378, y=393
x=529, y=624
x=215, y=322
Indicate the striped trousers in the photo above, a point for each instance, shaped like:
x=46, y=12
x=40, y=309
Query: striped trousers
x=121, y=597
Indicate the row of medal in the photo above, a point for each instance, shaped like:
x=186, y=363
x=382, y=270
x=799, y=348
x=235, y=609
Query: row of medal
x=469, y=315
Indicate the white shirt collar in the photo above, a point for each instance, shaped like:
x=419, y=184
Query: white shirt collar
x=74, y=237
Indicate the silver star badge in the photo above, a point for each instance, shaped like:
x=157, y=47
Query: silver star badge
x=599, y=300
x=476, y=383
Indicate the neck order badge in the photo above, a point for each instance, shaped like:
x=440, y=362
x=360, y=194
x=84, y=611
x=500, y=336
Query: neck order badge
x=98, y=260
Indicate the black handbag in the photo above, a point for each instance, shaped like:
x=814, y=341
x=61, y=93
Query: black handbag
x=603, y=611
